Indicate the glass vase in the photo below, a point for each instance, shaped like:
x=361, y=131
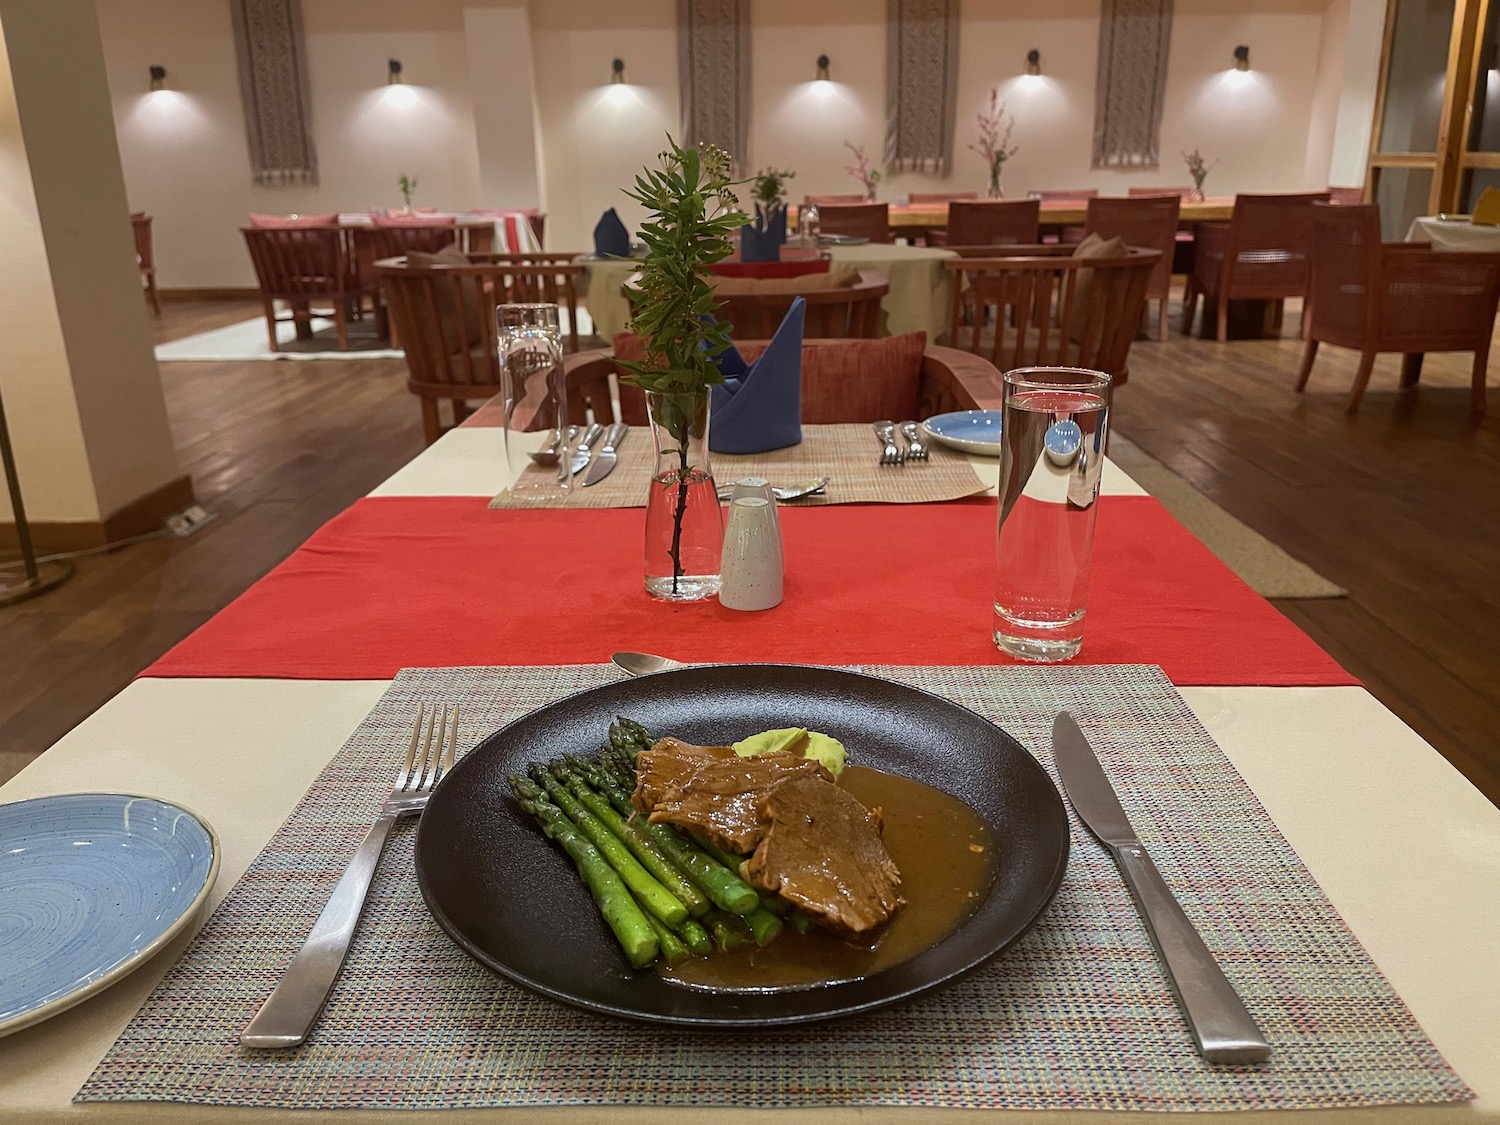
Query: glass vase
x=1196, y=195
x=684, y=526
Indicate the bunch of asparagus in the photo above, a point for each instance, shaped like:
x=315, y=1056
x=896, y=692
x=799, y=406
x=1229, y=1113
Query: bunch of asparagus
x=663, y=892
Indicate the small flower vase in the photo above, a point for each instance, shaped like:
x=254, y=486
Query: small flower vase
x=993, y=191
x=1196, y=195
x=684, y=525
x=869, y=193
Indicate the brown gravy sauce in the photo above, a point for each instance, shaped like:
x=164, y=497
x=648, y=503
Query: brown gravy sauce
x=946, y=856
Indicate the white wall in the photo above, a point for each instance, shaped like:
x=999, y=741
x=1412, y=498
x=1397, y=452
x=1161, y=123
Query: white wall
x=186, y=163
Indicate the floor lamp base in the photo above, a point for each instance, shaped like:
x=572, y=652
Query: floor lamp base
x=20, y=587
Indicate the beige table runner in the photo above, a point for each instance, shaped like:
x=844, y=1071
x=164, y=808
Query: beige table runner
x=848, y=454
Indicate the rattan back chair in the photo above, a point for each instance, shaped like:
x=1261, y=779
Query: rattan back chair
x=1262, y=253
x=1148, y=221
x=300, y=266
x=1051, y=309
x=1395, y=297
x=1010, y=222
x=858, y=220
x=444, y=316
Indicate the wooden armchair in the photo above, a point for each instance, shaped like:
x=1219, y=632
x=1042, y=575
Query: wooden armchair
x=1011, y=222
x=1051, y=309
x=300, y=266
x=445, y=317
x=145, y=258
x=915, y=382
x=1149, y=222
x=1263, y=253
x=1395, y=297
x=858, y=220
x=755, y=307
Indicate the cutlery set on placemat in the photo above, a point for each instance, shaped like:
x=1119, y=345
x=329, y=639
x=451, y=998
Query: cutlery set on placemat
x=892, y=453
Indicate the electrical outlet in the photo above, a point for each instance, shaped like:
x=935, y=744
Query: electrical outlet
x=187, y=521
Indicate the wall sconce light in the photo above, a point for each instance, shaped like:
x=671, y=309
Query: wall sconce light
x=1033, y=62
x=823, y=68
x=393, y=73
x=1242, y=57
x=617, y=71
x=158, y=78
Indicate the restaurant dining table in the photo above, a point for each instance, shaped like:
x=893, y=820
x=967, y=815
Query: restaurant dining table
x=1454, y=234
x=917, y=300
x=239, y=723
x=913, y=220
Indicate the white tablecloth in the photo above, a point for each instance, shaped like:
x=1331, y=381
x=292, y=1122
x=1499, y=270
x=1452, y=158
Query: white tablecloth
x=918, y=299
x=1453, y=234
x=1406, y=849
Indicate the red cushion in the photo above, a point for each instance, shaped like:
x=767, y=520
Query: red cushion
x=842, y=380
x=331, y=219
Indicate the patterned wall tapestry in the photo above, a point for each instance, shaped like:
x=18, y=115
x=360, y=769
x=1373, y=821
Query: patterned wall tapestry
x=273, y=87
x=921, y=84
x=713, y=64
x=1133, y=39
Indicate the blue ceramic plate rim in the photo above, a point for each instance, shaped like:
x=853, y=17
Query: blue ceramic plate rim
x=133, y=957
x=966, y=444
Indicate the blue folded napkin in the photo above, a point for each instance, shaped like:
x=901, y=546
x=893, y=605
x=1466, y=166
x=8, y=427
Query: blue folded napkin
x=611, y=239
x=758, y=407
x=761, y=241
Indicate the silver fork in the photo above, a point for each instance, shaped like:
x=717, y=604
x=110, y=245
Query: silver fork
x=915, y=450
x=287, y=1017
x=891, y=454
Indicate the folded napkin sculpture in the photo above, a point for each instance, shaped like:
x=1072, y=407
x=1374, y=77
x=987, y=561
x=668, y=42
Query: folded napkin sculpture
x=611, y=239
x=1486, y=211
x=761, y=241
x=758, y=407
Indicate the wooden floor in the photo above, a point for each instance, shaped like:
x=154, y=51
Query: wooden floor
x=1396, y=504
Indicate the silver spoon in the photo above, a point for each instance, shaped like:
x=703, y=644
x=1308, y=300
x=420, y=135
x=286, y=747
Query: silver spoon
x=644, y=663
x=810, y=487
x=547, y=455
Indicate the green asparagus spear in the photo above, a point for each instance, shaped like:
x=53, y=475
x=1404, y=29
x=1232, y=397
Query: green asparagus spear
x=652, y=895
x=764, y=925
x=633, y=837
x=729, y=930
x=630, y=924
x=672, y=948
x=771, y=903
x=798, y=921
x=695, y=937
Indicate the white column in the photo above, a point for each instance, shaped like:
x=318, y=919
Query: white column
x=82, y=390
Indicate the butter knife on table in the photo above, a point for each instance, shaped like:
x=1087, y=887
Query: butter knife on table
x=585, y=451
x=604, y=460
x=1222, y=1028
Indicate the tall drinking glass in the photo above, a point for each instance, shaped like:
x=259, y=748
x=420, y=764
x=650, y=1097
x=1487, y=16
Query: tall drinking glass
x=1052, y=436
x=537, y=437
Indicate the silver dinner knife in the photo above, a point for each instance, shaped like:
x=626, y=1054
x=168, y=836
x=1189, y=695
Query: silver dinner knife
x=604, y=461
x=585, y=451
x=1221, y=1026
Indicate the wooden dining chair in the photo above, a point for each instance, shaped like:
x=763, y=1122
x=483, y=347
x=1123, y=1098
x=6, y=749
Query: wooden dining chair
x=1262, y=253
x=302, y=267
x=843, y=305
x=145, y=258
x=1052, y=308
x=1010, y=222
x=1346, y=196
x=444, y=314
x=1395, y=297
x=858, y=220
x=1147, y=221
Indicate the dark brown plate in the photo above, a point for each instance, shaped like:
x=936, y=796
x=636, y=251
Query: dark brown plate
x=512, y=899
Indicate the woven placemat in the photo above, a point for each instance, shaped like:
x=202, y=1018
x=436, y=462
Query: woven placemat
x=1076, y=1015
x=847, y=454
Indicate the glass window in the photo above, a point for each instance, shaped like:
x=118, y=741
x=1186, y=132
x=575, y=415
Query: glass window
x=1484, y=120
x=1402, y=194
x=1414, y=81
x=1475, y=181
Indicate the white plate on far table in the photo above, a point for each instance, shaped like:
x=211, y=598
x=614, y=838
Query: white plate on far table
x=970, y=431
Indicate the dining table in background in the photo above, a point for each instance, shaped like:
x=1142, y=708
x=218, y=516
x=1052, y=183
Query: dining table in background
x=915, y=220
x=917, y=300
x=1455, y=234
x=1404, y=848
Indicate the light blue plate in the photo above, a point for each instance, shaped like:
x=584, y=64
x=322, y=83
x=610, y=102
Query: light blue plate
x=973, y=431
x=92, y=885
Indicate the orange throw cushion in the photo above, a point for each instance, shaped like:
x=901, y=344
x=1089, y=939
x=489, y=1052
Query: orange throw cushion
x=331, y=219
x=842, y=380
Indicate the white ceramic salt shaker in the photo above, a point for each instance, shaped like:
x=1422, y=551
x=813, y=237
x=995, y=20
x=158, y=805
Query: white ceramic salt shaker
x=758, y=486
x=751, y=570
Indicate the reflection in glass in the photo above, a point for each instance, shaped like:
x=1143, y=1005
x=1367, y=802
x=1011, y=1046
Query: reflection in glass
x=1414, y=82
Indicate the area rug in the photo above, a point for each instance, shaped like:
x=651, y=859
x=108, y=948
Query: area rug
x=1264, y=567
x=247, y=340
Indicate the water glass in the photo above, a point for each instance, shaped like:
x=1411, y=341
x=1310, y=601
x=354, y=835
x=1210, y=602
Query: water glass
x=1053, y=428
x=535, y=401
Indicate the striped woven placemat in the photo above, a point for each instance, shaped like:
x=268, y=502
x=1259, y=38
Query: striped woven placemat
x=847, y=454
x=1076, y=1015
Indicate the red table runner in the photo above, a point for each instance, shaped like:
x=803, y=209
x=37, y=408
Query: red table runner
x=445, y=582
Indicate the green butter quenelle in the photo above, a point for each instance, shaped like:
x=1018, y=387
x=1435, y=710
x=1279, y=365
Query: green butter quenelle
x=795, y=740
